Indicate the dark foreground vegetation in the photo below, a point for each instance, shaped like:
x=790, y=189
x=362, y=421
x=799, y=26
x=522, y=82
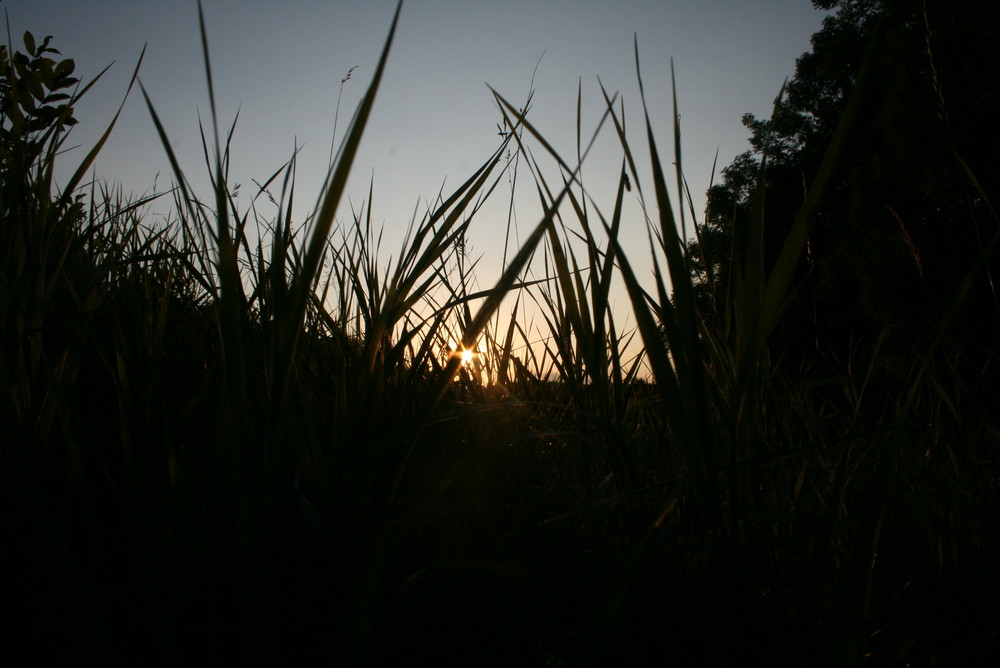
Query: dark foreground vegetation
x=241, y=438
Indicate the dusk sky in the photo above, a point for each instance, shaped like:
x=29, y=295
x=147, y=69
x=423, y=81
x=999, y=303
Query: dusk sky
x=434, y=122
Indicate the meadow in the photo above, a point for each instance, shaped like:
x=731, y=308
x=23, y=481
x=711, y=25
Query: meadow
x=236, y=437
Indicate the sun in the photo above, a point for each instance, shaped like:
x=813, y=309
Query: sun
x=466, y=355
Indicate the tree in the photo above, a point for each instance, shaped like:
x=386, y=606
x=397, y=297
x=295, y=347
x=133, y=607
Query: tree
x=909, y=215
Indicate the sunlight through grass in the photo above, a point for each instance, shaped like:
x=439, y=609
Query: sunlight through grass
x=265, y=434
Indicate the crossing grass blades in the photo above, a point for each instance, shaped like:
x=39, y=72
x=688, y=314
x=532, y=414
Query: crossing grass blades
x=238, y=435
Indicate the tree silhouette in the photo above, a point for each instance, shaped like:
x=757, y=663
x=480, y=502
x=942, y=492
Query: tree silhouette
x=908, y=219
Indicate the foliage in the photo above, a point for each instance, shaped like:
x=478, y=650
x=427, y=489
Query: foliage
x=234, y=434
x=889, y=251
x=33, y=102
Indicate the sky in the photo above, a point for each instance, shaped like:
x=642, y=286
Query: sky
x=280, y=65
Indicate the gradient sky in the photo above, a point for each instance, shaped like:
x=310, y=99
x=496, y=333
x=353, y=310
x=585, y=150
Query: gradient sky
x=434, y=120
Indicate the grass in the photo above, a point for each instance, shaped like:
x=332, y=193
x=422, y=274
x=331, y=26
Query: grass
x=241, y=437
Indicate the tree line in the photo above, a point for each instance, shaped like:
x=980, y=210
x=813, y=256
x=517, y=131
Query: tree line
x=899, y=258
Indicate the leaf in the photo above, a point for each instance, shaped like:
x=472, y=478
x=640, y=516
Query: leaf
x=34, y=86
x=29, y=42
x=64, y=68
x=45, y=48
x=55, y=97
x=45, y=69
x=46, y=113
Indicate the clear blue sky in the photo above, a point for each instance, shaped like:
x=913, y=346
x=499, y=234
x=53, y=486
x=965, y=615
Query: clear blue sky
x=434, y=118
